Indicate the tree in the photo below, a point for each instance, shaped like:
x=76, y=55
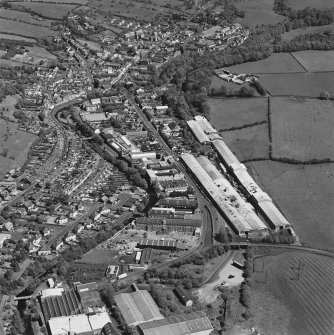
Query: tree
x=16, y=267
x=324, y=95
x=221, y=236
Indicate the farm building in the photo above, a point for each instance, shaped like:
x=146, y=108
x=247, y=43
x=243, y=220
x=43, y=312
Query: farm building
x=161, y=244
x=239, y=213
x=183, y=296
x=168, y=225
x=196, y=323
x=137, y=307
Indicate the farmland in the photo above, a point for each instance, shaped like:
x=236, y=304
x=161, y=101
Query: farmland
x=229, y=113
x=249, y=143
x=24, y=29
x=301, y=4
x=35, y=56
x=14, y=146
x=305, y=195
x=289, y=279
x=23, y=17
x=47, y=10
x=300, y=84
x=7, y=106
x=302, y=129
x=308, y=30
x=17, y=38
x=258, y=12
x=276, y=63
x=314, y=61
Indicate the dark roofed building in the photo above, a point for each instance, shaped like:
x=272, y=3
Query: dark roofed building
x=108, y=329
x=183, y=296
x=178, y=203
x=161, y=244
x=196, y=323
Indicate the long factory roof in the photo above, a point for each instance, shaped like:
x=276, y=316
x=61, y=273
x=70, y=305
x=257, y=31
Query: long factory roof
x=198, y=131
x=225, y=152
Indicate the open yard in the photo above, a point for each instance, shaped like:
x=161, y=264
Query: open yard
x=276, y=63
x=314, y=61
x=302, y=129
x=258, y=12
x=100, y=256
x=47, y=10
x=305, y=195
x=24, y=29
x=289, y=280
x=249, y=143
x=14, y=146
x=300, y=84
x=230, y=113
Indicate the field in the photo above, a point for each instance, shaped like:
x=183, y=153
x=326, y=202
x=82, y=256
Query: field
x=276, y=63
x=100, y=256
x=229, y=113
x=305, y=195
x=35, y=56
x=249, y=143
x=24, y=29
x=258, y=12
x=7, y=106
x=302, y=129
x=300, y=84
x=217, y=82
x=289, y=281
x=308, y=30
x=23, y=17
x=301, y=4
x=91, y=44
x=17, y=38
x=314, y=61
x=14, y=146
x=47, y=10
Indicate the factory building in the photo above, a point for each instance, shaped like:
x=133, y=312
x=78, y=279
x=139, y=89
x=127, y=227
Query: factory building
x=137, y=307
x=198, y=132
x=240, y=214
x=195, y=323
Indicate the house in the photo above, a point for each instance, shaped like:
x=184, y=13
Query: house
x=45, y=231
x=43, y=252
x=74, y=214
x=62, y=220
x=183, y=296
x=78, y=229
x=70, y=237
x=3, y=238
x=33, y=248
x=8, y=226
x=105, y=211
x=37, y=240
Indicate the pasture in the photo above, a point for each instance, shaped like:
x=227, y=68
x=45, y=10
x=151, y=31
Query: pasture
x=301, y=4
x=249, y=143
x=258, y=12
x=217, y=82
x=17, y=38
x=23, y=17
x=36, y=56
x=230, y=113
x=313, y=60
x=302, y=129
x=299, y=84
x=7, y=106
x=14, y=146
x=24, y=29
x=100, y=256
x=276, y=63
x=305, y=195
x=47, y=10
x=308, y=30
x=290, y=279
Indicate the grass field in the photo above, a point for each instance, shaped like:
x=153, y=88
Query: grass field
x=228, y=113
x=24, y=29
x=314, y=61
x=276, y=63
x=308, y=30
x=14, y=146
x=258, y=12
x=302, y=129
x=301, y=4
x=217, y=82
x=100, y=256
x=300, y=84
x=91, y=44
x=7, y=106
x=305, y=195
x=17, y=38
x=35, y=55
x=249, y=143
x=23, y=16
x=290, y=279
x=47, y=10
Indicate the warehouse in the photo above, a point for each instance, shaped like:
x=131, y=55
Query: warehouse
x=137, y=307
x=205, y=124
x=168, y=225
x=161, y=244
x=195, y=323
x=75, y=324
x=178, y=203
x=198, y=132
x=183, y=296
x=235, y=209
x=224, y=153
